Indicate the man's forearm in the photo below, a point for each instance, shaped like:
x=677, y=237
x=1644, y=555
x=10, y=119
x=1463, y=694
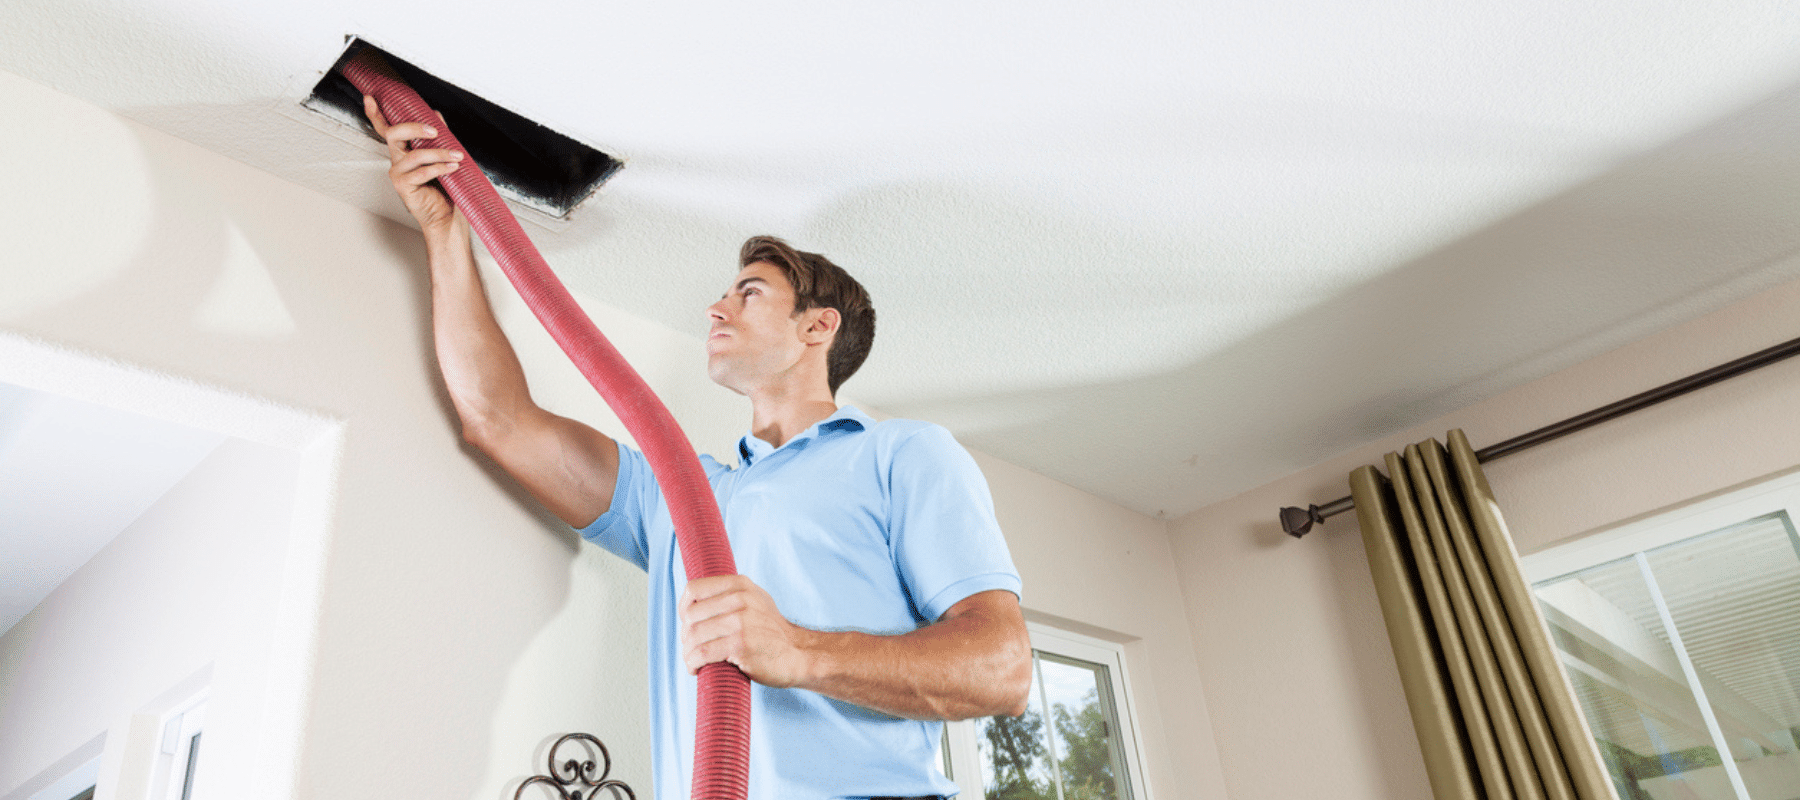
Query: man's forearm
x=976, y=664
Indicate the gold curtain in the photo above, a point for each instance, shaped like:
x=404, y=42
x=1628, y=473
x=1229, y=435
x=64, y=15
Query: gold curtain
x=1495, y=716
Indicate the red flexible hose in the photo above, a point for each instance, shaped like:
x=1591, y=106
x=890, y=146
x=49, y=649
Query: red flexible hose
x=722, y=729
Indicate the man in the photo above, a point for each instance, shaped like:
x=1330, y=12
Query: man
x=876, y=598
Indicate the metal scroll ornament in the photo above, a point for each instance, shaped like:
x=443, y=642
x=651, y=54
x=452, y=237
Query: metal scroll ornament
x=575, y=779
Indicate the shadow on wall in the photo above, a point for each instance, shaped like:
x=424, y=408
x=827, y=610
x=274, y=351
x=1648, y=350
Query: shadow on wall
x=546, y=691
x=1699, y=222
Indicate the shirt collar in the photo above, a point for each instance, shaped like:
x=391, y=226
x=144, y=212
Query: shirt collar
x=847, y=419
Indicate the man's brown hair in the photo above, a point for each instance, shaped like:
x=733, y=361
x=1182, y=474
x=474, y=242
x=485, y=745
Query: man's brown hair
x=818, y=283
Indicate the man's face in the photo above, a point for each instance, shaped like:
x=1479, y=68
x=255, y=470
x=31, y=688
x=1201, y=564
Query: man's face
x=755, y=335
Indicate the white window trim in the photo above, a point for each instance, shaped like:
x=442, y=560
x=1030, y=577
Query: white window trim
x=173, y=741
x=1710, y=514
x=965, y=759
x=965, y=755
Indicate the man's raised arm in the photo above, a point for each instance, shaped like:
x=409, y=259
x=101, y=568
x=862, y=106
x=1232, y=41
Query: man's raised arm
x=567, y=466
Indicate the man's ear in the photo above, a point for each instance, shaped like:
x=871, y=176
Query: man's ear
x=821, y=325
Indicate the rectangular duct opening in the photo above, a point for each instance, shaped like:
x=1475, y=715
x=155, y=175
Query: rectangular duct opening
x=531, y=164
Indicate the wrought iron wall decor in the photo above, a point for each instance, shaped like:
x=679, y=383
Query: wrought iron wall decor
x=575, y=779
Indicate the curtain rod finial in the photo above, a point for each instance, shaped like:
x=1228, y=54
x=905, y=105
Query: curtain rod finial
x=1297, y=521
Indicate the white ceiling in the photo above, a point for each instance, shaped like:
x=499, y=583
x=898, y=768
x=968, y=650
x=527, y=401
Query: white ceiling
x=1163, y=251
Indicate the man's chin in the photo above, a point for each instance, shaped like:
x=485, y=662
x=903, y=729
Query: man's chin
x=717, y=371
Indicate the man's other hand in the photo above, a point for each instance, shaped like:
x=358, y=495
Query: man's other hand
x=730, y=618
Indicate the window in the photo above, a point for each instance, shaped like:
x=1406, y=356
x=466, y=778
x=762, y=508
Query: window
x=1076, y=741
x=1680, y=635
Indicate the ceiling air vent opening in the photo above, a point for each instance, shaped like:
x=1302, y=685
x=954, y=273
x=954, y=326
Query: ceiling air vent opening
x=530, y=164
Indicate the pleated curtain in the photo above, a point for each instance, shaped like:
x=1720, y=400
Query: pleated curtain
x=1495, y=715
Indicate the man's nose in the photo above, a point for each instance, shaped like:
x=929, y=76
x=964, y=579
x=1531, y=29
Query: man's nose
x=715, y=312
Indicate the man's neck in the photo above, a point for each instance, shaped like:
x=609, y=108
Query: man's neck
x=776, y=420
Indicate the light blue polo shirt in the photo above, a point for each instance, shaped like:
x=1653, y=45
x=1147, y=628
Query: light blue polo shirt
x=852, y=525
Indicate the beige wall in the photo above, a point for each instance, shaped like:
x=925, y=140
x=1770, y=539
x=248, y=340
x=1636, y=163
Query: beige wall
x=1300, y=680
x=456, y=628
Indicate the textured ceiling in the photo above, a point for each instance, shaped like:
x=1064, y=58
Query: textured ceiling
x=1163, y=251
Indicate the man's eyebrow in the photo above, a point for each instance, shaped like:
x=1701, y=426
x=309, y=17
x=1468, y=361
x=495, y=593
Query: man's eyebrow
x=743, y=283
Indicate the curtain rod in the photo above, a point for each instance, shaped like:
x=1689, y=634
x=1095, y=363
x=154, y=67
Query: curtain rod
x=1297, y=521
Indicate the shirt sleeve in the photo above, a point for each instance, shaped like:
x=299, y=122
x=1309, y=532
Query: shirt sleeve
x=944, y=538
x=622, y=528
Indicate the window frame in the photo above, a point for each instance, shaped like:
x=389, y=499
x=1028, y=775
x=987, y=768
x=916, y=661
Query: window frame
x=1683, y=521
x=964, y=753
